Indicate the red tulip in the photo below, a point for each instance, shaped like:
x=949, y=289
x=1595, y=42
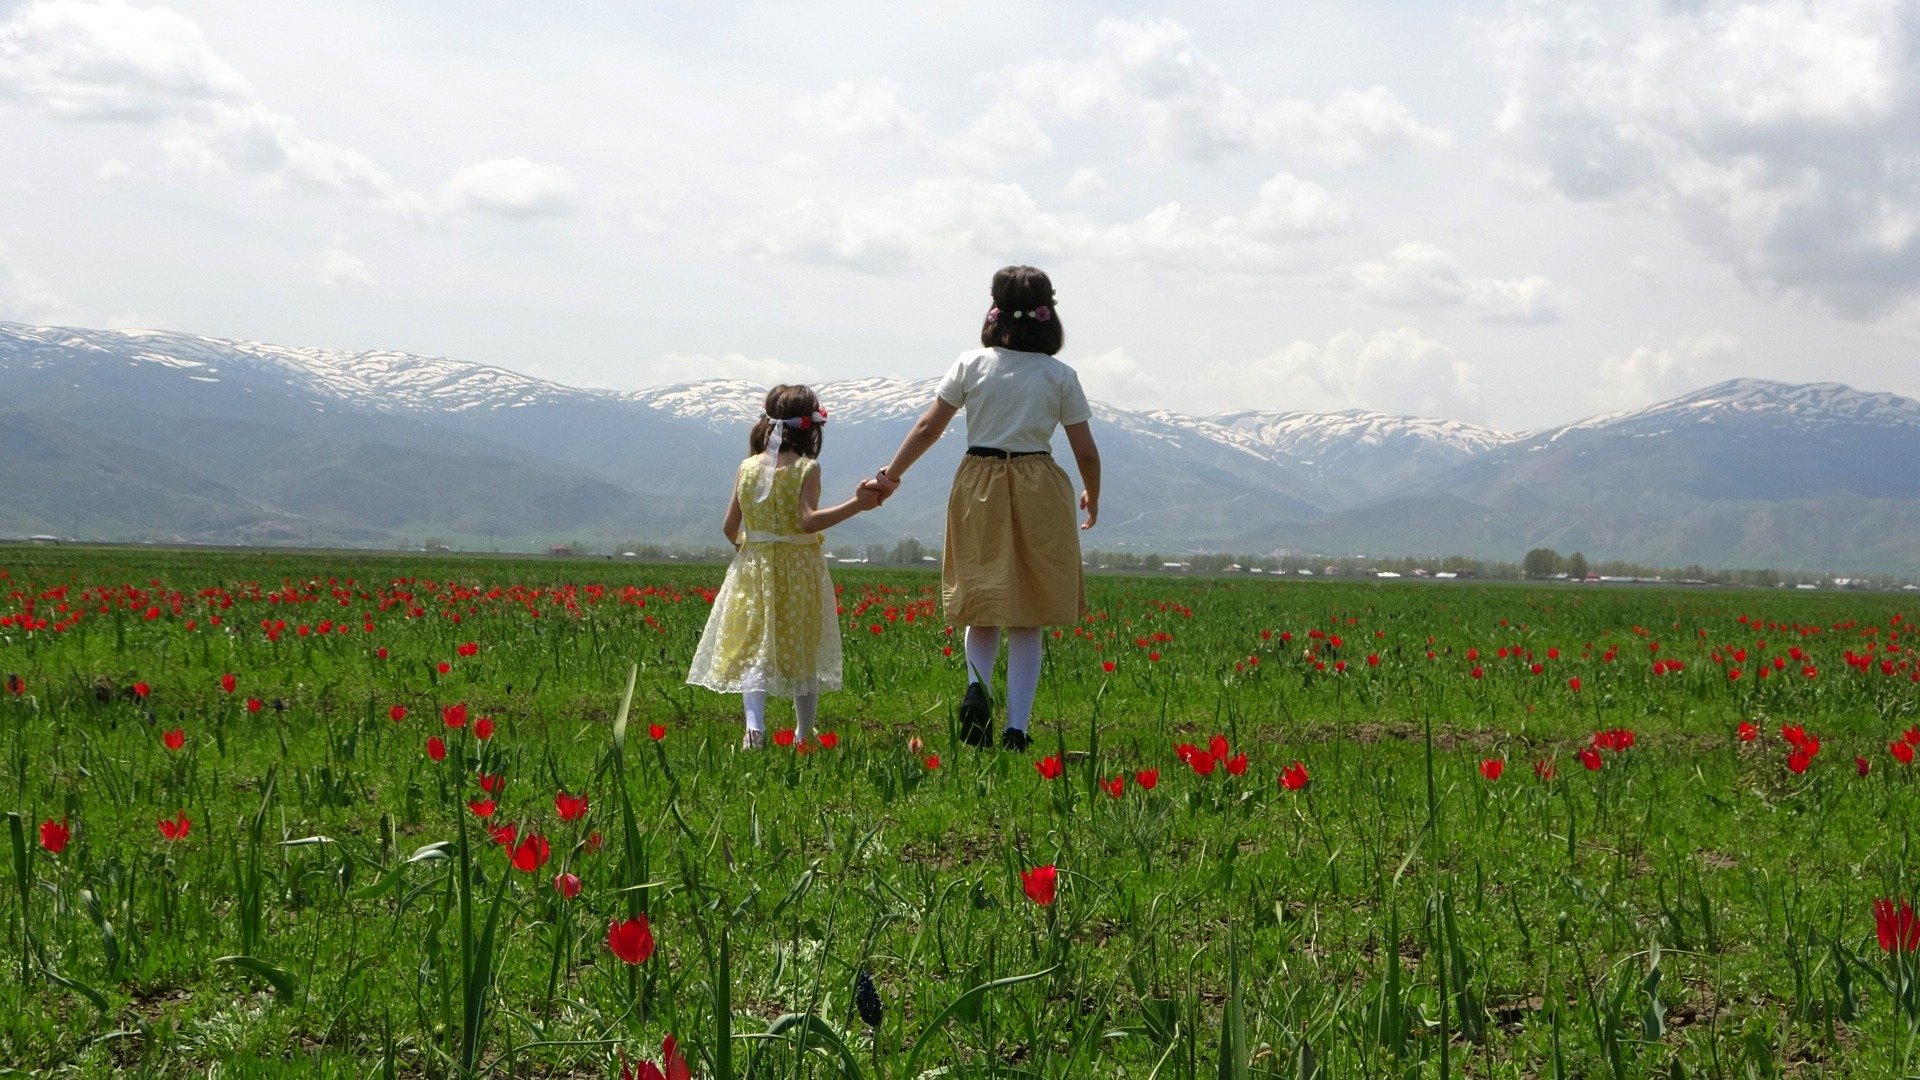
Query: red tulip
x=397, y=713
x=141, y=690
x=254, y=704
x=656, y=732
x=1902, y=752
x=483, y=728
x=1147, y=778
x=504, y=835
x=1039, y=884
x=54, y=835
x=1116, y=786
x=1862, y=766
x=1798, y=761
x=468, y=649
x=1492, y=767
x=1574, y=683
x=173, y=740
x=1591, y=759
x=1898, y=929
x=492, y=783
x=1478, y=672
x=443, y=667
x=531, y=853
x=1748, y=732
x=177, y=828
x=454, y=716
x=482, y=808
x=567, y=885
x=1295, y=777
x=1237, y=765
x=1217, y=747
x=1108, y=666
x=933, y=761
x=1202, y=764
x=783, y=737
x=1049, y=767
x=381, y=652
x=570, y=807
x=1544, y=769
x=631, y=940
x=436, y=748
x=228, y=682
x=828, y=740
x=1911, y=736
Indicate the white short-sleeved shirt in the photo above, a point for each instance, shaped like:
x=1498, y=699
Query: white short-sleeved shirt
x=1014, y=400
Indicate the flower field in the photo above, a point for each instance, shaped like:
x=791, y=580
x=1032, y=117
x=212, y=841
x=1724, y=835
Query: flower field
x=345, y=815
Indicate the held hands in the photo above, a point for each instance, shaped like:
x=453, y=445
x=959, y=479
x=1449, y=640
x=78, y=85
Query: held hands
x=867, y=497
x=881, y=485
x=1091, y=504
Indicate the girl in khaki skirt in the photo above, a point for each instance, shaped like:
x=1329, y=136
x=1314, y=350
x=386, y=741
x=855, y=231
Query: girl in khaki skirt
x=1012, y=553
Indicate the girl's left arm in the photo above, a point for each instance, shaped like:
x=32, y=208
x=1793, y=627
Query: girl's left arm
x=731, y=525
x=813, y=519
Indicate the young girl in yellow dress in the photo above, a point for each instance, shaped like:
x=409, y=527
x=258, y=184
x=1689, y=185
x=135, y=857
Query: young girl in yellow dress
x=774, y=628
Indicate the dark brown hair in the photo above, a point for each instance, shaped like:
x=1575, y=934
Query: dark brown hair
x=785, y=402
x=1023, y=288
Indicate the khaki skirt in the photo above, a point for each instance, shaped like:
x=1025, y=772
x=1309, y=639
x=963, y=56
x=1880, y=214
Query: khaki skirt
x=1013, y=546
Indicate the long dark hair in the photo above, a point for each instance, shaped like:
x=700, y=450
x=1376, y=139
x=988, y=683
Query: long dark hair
x=785, y=402
x=1023, y=289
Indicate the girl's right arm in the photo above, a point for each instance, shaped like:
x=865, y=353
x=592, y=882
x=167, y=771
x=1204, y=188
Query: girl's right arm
x=926, y=431
x=731, y=526
x=1087, y=456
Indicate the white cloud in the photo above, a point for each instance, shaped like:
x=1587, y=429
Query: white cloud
x=1086, y=184
x=1148, y=76
x=934, y=217
x=1395, y=371
x=106, y=60
x=1660, y=372
x=25, y=297
x=514, y=188
x=871, y=108
x=1783, y=134
x=340, y=268
x=1419, y=275
x=690, y=367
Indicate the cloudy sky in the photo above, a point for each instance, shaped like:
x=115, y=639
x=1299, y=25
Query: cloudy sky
x=1509, y=213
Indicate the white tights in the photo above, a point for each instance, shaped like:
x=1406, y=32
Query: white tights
x=1023, y=666
x=805, y=708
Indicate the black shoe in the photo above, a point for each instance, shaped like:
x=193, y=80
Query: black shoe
x=976, y=717
x=1014, y=739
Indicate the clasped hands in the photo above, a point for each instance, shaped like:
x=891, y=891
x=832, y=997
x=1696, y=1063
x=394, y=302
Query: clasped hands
x=875, y=489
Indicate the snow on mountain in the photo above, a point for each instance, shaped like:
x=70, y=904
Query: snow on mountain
x=727, y=403
x=1311, y=436
x=381, y=380
x=1810, y=406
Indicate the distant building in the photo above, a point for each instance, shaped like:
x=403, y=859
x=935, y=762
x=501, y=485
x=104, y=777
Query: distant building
x=559, y=549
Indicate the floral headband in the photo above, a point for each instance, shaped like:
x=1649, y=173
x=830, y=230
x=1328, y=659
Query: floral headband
x=815, y=418
x=1039, y=313
x=770, y=461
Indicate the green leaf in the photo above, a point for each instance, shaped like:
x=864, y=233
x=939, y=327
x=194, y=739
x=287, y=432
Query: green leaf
x=285, y=984
x=813, y=1029
x=971, y=999
x=626, y=706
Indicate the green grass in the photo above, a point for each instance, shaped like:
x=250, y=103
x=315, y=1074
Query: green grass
x=1693, y=908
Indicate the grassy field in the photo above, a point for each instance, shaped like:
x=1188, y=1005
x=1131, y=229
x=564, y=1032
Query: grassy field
x=343, y=815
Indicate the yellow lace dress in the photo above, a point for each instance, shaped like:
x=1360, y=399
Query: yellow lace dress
x=773, y=626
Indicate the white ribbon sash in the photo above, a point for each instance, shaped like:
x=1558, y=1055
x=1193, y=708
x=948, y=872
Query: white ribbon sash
x=755, y=536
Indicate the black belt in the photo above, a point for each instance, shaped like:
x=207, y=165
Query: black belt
x=996, y=452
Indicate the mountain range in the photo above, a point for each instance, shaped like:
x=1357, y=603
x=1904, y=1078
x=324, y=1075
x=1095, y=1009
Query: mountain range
x=154, y=435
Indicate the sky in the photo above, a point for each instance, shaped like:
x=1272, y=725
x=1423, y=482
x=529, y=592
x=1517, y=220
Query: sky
x=1513, y=214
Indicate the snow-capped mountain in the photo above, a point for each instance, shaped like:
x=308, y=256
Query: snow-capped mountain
x=156, y=434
